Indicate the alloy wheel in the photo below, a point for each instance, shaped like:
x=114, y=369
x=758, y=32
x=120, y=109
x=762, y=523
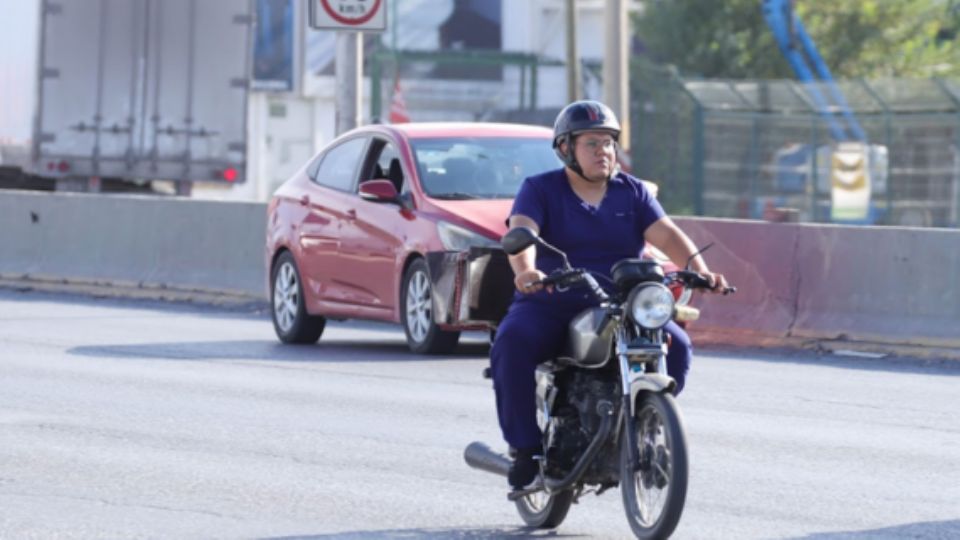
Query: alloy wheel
x=286, y=297
x=419, y=307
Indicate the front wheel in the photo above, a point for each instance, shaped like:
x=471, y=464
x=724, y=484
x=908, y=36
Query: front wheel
x=545, y=511
x=416, y=297
x=654, y=491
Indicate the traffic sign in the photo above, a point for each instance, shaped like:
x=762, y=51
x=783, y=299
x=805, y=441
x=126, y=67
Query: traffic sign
x=355, y=15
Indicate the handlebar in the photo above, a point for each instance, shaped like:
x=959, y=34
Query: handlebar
x=564, y=279
x=695, y=280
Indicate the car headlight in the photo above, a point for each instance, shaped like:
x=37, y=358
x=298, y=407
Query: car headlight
x=650, y=305
x=456, y=238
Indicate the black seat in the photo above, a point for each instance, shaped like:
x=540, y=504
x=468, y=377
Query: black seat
x=395, y=174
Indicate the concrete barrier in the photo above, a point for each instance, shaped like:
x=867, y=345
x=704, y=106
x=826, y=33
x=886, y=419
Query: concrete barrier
x=154, y=241
x=896, y=286
x=884, y=285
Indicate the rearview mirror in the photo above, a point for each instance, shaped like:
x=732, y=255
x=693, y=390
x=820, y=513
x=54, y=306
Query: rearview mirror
x=518, y=239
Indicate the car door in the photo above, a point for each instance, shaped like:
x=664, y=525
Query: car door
x=372, y=242
x=328, y=206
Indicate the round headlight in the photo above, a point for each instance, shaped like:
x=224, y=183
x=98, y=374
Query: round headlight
x=651, y=305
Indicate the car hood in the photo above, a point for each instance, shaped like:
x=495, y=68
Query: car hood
x=487, y=216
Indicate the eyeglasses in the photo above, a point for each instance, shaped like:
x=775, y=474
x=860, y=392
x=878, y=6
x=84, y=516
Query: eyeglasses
x=593, y=145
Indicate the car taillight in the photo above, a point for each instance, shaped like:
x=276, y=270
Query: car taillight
x=62, y=166
x=229, y=174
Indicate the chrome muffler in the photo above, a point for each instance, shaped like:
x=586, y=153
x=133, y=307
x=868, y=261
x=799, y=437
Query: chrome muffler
x=480, y=456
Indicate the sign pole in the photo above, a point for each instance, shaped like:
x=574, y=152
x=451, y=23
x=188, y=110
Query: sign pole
x=349, y=80
x=350, y=18
x=616, y=68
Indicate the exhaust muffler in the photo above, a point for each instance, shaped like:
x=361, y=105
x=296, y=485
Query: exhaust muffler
x=480, y=456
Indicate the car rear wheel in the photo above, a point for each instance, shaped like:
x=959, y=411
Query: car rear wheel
x=291, y=321
x=416, y=297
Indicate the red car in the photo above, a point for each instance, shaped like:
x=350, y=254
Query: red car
x=351, y=234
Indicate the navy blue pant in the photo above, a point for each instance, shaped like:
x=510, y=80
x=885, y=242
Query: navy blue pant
x=534, y=332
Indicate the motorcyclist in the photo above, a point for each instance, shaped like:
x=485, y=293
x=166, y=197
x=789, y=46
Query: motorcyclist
x=598, y=216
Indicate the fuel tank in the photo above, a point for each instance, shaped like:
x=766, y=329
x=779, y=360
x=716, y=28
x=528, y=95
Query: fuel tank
x=590, y=339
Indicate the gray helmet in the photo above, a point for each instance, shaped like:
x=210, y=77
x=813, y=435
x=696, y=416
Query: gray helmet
x=579, y=116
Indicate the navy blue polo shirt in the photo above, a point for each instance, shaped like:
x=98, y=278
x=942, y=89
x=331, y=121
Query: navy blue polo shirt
x=592, y=237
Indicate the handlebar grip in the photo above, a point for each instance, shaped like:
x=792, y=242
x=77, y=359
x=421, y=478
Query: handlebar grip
x=562, y=278
x=548, y=281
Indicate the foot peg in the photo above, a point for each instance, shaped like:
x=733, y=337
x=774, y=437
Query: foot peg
x=529, y=490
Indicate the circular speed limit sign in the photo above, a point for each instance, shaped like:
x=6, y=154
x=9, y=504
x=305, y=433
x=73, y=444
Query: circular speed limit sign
x=348, y=14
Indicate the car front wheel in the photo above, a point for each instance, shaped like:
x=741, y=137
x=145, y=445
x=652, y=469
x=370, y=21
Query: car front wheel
x=416, y=297
x=291, y=321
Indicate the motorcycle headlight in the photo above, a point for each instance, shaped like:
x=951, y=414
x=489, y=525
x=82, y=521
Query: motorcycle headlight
x=650, y=305
x=456, y=238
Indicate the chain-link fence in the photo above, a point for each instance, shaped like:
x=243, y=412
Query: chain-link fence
x=742, y=148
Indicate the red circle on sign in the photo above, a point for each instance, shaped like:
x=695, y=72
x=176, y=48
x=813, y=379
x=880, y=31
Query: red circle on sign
x=347, y=20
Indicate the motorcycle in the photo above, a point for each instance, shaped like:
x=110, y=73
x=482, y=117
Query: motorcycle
x=605, y=406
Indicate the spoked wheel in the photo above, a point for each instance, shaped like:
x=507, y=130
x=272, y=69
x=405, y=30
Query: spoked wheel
x=545, y=511
x=291, y=321
x=655, y=490
x=423, y=334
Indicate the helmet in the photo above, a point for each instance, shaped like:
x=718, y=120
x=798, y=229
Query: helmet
x=581, y=116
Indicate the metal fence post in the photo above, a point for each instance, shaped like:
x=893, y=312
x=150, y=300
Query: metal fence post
x=888, y=141
x=955, y=98
x=815, y=165
x=698, y=153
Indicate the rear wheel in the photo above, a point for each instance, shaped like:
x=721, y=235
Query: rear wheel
x=416, y=297
x=545, y=511
x=291, y=322
x=655, y=491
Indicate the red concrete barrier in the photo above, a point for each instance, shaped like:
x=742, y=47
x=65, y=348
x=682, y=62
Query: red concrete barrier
x=884, y=285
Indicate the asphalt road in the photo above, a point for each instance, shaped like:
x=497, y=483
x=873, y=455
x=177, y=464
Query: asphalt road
x=135, y=419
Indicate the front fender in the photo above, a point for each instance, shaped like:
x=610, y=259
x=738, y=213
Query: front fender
x=650, y=382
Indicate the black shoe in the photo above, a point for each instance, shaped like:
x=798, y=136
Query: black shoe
x=524, y=469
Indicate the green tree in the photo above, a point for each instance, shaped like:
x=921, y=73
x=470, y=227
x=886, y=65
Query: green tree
x=856, y=38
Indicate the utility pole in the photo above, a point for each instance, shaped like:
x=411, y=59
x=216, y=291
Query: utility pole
x=616, y=71
x=573, y=60
x=349, y=68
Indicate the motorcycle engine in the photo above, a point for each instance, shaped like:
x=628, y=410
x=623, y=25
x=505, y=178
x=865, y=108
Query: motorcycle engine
x=575, y=420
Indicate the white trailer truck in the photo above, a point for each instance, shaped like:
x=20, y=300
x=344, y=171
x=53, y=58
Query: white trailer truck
x=138, y=90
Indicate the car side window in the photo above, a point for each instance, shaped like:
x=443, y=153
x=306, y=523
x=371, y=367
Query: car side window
x=338, y=168
x=386, y=164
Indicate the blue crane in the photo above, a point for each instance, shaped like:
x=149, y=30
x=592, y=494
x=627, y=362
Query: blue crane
x=799, y=50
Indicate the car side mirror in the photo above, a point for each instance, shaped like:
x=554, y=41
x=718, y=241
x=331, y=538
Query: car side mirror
x=518, y=239
x=379, y=190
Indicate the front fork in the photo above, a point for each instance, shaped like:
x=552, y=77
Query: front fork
x=626, y=412
x=628, y=378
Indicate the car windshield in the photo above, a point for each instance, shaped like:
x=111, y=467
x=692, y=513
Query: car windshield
x=480, y=167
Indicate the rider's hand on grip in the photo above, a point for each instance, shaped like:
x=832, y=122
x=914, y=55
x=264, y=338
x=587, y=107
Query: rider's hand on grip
x=529, y=281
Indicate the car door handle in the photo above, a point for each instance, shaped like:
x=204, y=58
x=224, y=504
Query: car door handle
x=305, y=200
x=351, y=214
